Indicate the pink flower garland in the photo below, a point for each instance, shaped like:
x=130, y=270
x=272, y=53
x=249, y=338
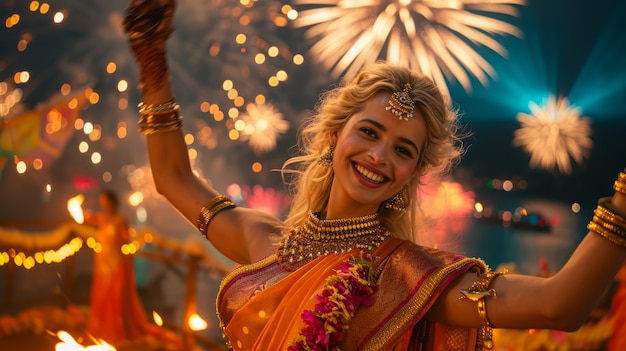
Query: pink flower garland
x=344, y=292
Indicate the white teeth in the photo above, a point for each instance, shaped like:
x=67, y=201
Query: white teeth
x=376, y=178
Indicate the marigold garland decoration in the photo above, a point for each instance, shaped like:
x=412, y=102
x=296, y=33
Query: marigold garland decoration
x=324, y=325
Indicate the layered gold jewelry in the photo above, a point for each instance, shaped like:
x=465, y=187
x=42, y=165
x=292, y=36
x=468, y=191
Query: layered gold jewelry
x=620, y=184
x=317, y=237
x=159, y=118
x=478, y=292
x=166, y=107
x=208, y=211
x=401, y=104
x=396, y=203
x=608, y=222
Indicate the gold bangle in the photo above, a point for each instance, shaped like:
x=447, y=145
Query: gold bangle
x=210, y=209
x=161, y=109
x=151, y=118
x=611, y=226
x=478, y=292
x=160, y=128
x=621, y=177
x=486, y=331
x=620, y=186
x=168, y=106
x=608, y=216
x=607, y=234
x=161, y=122
x=607, y=210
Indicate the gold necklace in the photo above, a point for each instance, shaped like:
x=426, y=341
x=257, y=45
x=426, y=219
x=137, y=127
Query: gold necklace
x=318, y=237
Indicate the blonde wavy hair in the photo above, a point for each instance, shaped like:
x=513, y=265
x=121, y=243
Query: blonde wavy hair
x=310, y=183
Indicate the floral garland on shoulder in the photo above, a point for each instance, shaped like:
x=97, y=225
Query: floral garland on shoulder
x=324, y=325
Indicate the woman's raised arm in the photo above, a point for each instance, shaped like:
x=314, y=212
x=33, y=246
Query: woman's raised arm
x=240, y=234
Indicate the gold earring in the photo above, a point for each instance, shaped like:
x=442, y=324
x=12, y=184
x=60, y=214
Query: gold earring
x=326, y=160
x=396, y=203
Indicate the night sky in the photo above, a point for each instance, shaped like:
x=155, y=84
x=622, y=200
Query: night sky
x=571, y=48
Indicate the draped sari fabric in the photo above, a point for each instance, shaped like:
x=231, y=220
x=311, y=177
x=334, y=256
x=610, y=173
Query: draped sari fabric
x=116, y=314
x=617, y=340
x=260, y=305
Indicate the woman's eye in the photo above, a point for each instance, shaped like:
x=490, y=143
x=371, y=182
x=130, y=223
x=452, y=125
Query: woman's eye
x=368, y=131
x=404, y=151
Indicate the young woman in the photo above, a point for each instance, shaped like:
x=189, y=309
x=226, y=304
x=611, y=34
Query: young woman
x=116, y=314
x=341, y=272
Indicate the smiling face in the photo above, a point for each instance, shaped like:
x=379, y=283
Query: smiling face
x=376, y=155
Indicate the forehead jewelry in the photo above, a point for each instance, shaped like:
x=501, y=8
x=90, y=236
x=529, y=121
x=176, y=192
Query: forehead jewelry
x=401, y=104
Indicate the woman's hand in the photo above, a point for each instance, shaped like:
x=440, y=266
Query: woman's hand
x=148, y=24
x=149, y=20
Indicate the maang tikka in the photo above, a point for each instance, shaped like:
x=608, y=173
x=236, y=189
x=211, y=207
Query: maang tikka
x=401, y=104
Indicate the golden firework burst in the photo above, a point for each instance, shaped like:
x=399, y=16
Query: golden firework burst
x=438, y=38
x=553, y=134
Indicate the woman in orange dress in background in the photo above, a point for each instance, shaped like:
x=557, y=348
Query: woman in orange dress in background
x=116, y=314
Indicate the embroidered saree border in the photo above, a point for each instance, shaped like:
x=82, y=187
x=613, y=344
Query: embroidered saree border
x=406, y=314
x=236, y=274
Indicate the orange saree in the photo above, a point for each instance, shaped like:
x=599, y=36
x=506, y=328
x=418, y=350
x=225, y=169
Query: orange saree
x=116, y=313
x=617, y=340
x=261, y=305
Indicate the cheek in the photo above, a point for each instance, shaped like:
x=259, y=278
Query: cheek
x=345, y=146
x=406, y=171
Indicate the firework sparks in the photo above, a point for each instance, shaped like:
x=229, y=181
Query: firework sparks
x=431, y=36
x=55, y=48
x=269, y=200
x=553, y=134
x=262, y=124
x=10, y=100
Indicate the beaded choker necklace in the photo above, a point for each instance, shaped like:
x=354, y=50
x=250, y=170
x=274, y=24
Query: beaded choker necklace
x=318, y=237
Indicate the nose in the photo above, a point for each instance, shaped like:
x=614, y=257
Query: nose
x=378, y=153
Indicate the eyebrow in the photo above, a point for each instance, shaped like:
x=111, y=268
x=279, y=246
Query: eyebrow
x=402, y=139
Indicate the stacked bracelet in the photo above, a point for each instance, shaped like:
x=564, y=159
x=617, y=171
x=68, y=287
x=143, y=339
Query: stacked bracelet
x=620, y=183
x=159, y=118
x=608, y=223
x=208, y=211
x=477, y=293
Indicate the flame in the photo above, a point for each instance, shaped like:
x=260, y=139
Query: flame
x=157, y=319
x=75, y=209
x=68, y=343
x=197, y=323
